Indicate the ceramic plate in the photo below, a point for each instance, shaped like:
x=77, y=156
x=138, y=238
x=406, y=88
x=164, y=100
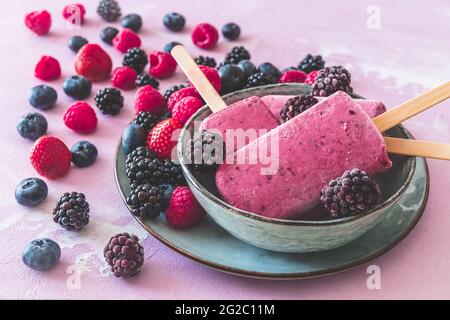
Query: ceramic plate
x=209, y=244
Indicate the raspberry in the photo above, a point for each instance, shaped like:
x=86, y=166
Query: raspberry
x=311, y=77
x=184, y=210
x=180, y=94
x=93, y=62
x=124, y=78
x=162, y=64
x=162, y=139
x=125, y=40
x=185, y=108
x=80, y=117
x=47, y=69
x=205, y=36
x=74, y=13
x=292, y=76
x=50, y=157
x=150, y=100
x=39, y=22
x=212, y=75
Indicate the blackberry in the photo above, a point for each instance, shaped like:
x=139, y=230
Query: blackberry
x=142, y=166
x=109, y=101
x=173, y=89
x=172, y=173
x=124, y=254
x=146, y=120
x=352, y=193
x=135, y=58
x=165, y=115
x=330, y=80
x=72, y=211
x=311, y=63
x=259, y=79
x=296, y=105
x=109, y=10
x=206, y=151
x=146, y=201
x=206, y=61
x=236, y=55
x=146, y=79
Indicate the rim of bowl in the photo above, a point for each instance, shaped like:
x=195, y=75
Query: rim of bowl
x=189, y=176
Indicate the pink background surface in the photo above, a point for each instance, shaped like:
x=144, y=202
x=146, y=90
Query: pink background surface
x=408, y=55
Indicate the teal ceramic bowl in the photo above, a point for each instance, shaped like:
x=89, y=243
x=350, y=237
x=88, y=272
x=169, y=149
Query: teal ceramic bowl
x=313, y=234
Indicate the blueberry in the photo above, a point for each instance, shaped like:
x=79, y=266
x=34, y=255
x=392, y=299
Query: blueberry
x=77, y=87
x=84, y=154
x=133, y=137
x=288, y=69
x=270, y=69
x=233, y=77
x=231, y=31
x=174, y=21
x=31, y=191
x=248, y=67
x=132, y=21
x=32, y=126
x=168, y=190
x=43, y=97
x=168, y=47
x=41, y=254
x=107, y=34
x=76, y=42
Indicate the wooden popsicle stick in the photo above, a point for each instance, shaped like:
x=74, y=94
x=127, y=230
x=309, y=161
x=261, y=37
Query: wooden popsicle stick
x=410, y=108
x=418, y=148
x=201, y=83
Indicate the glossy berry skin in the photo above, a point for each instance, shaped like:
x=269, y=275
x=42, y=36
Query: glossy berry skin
x=168, y=47
x=80, y=117
x=84, y=154
x=132, y=21
x=47, y=69
x=311, y=77
x=149, y=100
x=233, y=77
x=39, y=22
x=76, y=42
x=32, y=126
x=184, y=210
x=231, y=31
x=291, y=76
x=205, y=36
x=108, y=34
x=174, y=21
x=41, y=254
x=93, y=63
x=248, y=67
x=270, y=69
x=74, y=13
x=42, y=97
x=185, y=108
x=133, y=136
x=125, y=40
x=162, y=139
x=212, y=76
x=31, y=192
x=162, y=64
x=50, y=157
x=124, y=78
x=77, y=87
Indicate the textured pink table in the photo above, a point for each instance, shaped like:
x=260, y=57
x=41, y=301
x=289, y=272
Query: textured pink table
x=408, y=54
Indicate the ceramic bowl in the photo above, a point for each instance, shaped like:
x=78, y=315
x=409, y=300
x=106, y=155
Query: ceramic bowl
x=293, y=235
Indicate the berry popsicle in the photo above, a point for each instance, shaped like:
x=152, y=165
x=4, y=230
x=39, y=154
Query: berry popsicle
x=333, y=136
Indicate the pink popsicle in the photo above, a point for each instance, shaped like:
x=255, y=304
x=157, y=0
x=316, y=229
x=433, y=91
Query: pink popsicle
x=251, y=116
x=276, y=103
x=318, y=145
